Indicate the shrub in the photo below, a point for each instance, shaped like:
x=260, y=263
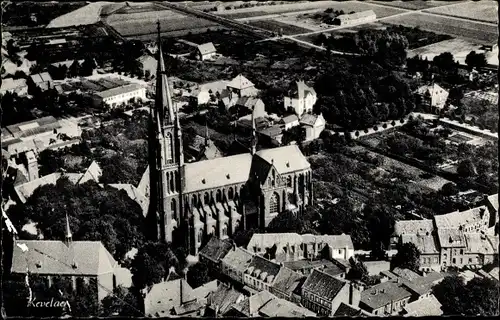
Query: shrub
x=375, y=128
x=357, y=133
x=402, y=121
x=393, y=123
x=384, y=126
x=366, y=130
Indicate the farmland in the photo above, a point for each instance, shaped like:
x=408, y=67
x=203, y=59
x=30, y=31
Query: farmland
x=458, y=47
x=240, y=15
x=486, y=11
x=482, y=33
x=139, y=8
x=415, y=4
x=276, y=26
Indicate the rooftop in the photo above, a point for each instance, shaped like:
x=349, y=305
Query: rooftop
x=425, y=243
x=285, y=159
x=41, y=77
x=376, y=267
x=263, y=268
x=11, y=84
x=323, y=285
x=287, y=280
x=428, y=306
x=383, y=294
x=32, y=127
x=238, y=258
x=216, y=249
x=456, y=219
x=450, y=238
x=347, y=310
x=300, y=90
x=356, y=15
x=206, y=48
x=413, y=227
x=493, y=201
x=284, y=308
x=119, y=90
x=289, y=119
x=224, y=297
x=479, y=243
x=311, y=119
x=240, y=82
x=251, y=305
x=55, y=257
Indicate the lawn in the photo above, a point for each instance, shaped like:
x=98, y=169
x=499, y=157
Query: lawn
x=486, y=11
x=481, y=33
x=240, y=15
x=460, y=48
x=140, y=8
x=415, y=4
x=276, y=26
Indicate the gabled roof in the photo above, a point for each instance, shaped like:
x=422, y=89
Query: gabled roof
x=223, y=298
x=334, y=241
x=347, y=310
x=406, y=273
x=384, y=293
x=216, y=249
x=93, y=172
x=428, y=306
x=311, y=119
x=451, y=238
x=272, y=132
x=265, y=266
x=289, y=119
x=427, y=244
x=286, y=159
x=240, y=82
x=133, y=194
x=376, y=267
x=41, y=77
x=413, y=227
x=238, y=259
x=479, y=243
x=119, y=90
x=493, y=201
x=251, y=305
x=11, y=84
x=25, y=190
x=456, y=219
x=356, y=15
x=248, y=102
x=323, y=285
x=217, y=172
x=55, y=257
x=206, y=48
x=301, y=90
x=284, y=308
x=287, y=280
x=162, y=297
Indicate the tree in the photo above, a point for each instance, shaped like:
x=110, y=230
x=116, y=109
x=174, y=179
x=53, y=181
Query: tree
x=475, y=60
x=408, y=257
x=123, y=302
x=74, y=69
x=445, y=62
x=466, y=168
x=358, y=271
x=87, y=67
x=449, y=189
x=198, y=275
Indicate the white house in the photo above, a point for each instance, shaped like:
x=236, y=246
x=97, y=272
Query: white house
x=203, y=93
x=242, y=86
x=313, y=125
x=116, y=96
x=434, y=95
x=18, y=86
x=205, y=51
x=301, y=99
x=356, y=18
x=289, y=122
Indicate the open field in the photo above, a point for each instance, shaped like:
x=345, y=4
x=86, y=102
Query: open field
x=349, y=6
x=481, y=33
x=277, y=26
x=486, y=11
x=140, y=8
x=415, y=4
x=460, y=48
x=240, y=15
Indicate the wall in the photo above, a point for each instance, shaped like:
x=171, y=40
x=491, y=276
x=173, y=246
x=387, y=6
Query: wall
x=125, y=97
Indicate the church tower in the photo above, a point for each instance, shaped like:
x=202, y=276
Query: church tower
x=166, y=159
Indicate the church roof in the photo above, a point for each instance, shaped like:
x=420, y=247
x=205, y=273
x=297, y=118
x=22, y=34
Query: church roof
x=286, y=159
x=217, y=172
x=240, y=82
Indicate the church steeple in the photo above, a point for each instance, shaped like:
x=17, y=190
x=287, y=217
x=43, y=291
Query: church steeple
x=163, y=100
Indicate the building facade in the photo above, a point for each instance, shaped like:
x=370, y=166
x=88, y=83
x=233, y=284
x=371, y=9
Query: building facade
x=323, y=293
x=218, y=196
x=301, y=99
x=116, y=96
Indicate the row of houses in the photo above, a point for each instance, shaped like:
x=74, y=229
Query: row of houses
x=456, y=239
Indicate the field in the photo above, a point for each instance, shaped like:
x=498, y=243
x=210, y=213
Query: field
x=276, y=26
x=481, y=33
x=415, y=4
x=486, y=11
x=241, y=15
x=137, y=24
x=139, y=8
x=458, y=47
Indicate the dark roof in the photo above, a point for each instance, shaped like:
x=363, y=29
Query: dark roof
x=406, y=273
x=323, y=285
x=224, y=298
x=346, y=310
x=307, y=264
x=384, y=293
x=264, y=265
x=287, y=280
x=333, y=270
x=216, y=249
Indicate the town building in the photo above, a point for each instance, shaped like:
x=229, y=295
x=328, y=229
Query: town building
x=39, y=134
x=305, y=267
x=213, y=253
x=261, y=273
x=313, y=125
x=283, y=308
x=292, y=246
x=205, y=51
x=323, y=293
x=300, y=99
x=17, y=86
x=426, y=307
x=355, y=18
x=433, y=96
x=347, y=310
x=79, y=261
x=221, y=300
x=288, y=284
x=42, y=80
x=241, y=86
x=252, y=105
x=386, y=298
x=235, y=263
x=123, y=94
x=216, y=197
x=289, y=122
x=202, y=148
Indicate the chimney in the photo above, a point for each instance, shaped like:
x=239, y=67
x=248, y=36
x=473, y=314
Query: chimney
x=355, y=294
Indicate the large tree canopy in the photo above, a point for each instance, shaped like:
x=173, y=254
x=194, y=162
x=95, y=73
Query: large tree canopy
x=408, y=257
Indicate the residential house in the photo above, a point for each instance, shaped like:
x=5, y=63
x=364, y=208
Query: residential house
x=492, y=205
x=123, y=94
x=355, y=18
x=305, y=267
x=208, y=92
x=253, y=105
x=205, y=51
x=313, y=125
x=283, y=308
x=347, y=310
x=426, y=307
x=241, y=86
x=289, y=122
x=194, y=304
x=472, y=220
x=80, y=261
x=202, y=148
x=306, y=246
x=214, y=251
x=250, y=306
x=386, y=298
x=273, y=134
x=261, y=273
x=287, y=285
x=429, y=250
x=17, y=86
x=433, y=96
x=300, y=99
x=221, y=300
x=42, y=80
x=235, y=263
x=323, y=293
x=374, y=268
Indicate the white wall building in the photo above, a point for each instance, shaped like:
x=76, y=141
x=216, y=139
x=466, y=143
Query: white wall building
x=116, y=96
x=301, y=100
x=313, y=125
x=356, y=18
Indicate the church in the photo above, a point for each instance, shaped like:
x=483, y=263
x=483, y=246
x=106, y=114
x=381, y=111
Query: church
x=190, y=201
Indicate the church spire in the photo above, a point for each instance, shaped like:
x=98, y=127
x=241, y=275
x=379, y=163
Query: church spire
x=68, y=235
x=254, y=138
x=163, y=101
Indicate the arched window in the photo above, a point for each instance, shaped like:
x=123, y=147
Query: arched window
x=218, y=196
x=289, y=181
x=212, y=231
x=224, y=230
x=172, y=184
x=169, y=148
x=195, y=200
x=274, y=179
x=274, y=203
x=200, y=235
x=230, y=193
x=461, y=251
x=173, y=206
x=176, y=176
x=269, y=181
x=206, y=198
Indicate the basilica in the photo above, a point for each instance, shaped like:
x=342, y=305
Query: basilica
x=190, y=201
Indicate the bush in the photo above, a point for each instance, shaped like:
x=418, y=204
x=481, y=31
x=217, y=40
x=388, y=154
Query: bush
x=357, y=133
x=375, y=128
x=393, y=123
x=366, y=130
x=384, y=126
x=402, y=121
